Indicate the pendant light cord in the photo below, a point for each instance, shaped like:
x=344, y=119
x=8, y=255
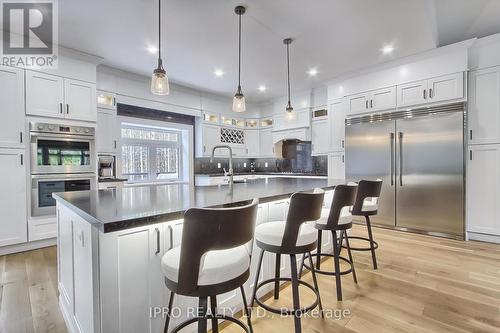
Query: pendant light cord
x=288, y=69
x=239, y=53
x=159, y=30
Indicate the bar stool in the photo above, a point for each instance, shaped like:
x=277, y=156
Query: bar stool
x=339, y=220
x=290, y=237
x=213, y=258
x=367, y=205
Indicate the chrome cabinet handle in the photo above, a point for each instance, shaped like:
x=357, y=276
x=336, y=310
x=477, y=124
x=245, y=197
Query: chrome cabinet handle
x=470, y=155
x=67, y=108
x=400, y=158
x=425, y=94
x=392, y=137
x=115, y=144
x=157, y=241
x=366, y=104
x=60, y=108
x=371, y=103
x=343, y=143
x=22, y=159
x=171, y=237
x=470, y=134
x=430, y=93
x=21, y=137
x=114, y=101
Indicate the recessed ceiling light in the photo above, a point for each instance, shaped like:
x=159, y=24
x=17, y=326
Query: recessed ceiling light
x=387, y=49
x=152, y=49
x=219, y=72
x=312, y=72
x=262, y=88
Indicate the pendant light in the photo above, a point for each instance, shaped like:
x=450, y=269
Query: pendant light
x=287, y=42
x=159, y=80
x=239, y=99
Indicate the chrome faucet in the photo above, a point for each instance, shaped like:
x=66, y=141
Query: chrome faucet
x=230, y=172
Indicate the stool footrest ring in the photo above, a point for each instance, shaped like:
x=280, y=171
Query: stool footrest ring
x=347, y=271
x=218, y=316
x=284, y=310
x=361, y=248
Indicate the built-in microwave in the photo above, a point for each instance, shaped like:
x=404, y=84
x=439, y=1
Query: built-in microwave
x=60, y=149
x=42, y=187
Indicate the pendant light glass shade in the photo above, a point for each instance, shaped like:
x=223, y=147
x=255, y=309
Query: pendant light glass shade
x=159, y=80
x=239, y=98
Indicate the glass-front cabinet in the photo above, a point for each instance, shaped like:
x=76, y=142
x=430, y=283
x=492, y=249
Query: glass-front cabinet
x=252, y=123
x=236, y=122
x=106, y=100
x=266, y=122
x=211, y=118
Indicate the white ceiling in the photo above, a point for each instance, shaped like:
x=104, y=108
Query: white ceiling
x=334, y=36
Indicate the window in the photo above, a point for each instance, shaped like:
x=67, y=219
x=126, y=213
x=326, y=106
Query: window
x=150, y=153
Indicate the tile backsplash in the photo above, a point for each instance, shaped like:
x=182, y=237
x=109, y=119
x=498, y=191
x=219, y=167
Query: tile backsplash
x=317, y=165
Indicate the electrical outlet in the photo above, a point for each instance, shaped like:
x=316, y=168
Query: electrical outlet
x=219, y=165
x=244, y=165
x=266, y=164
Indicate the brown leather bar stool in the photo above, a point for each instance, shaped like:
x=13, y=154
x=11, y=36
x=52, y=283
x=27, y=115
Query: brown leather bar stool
x=291, y=237
x=339, y=220
x=213, y=259
x=366, y=205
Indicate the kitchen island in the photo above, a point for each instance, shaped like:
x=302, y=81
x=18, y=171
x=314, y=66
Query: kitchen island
x=110, y=245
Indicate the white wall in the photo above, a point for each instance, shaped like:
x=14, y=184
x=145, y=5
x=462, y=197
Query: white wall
x=300, y=100
x=135, y=89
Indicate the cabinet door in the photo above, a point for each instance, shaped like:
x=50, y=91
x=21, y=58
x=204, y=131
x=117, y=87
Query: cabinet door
x=266, y=143
x=446, y=87
x=483, y=189
x=383, y=99
x=358, y=103
x=44, y=95
x=336, y=165
x=13, y=200
x=484, y=106
x=80, y=99
x=106, y=133
x=65, y=256
x=210, y=138
x=131, y=279
x=337, y=125
x=12, y=133
x=412, y=93
x=252, y=141
x=320, y=137
x=83, y=275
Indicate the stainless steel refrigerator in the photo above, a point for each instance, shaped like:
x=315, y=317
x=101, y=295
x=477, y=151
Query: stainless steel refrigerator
x=419, y=155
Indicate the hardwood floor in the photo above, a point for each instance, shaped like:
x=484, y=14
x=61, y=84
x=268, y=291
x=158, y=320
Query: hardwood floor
x=423, y=284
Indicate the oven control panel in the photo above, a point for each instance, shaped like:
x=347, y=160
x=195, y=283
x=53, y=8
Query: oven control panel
x=61, y=129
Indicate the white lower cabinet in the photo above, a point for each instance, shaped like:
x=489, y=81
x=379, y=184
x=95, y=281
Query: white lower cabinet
x=13, y=197
x=336, y=165
x=483, y=190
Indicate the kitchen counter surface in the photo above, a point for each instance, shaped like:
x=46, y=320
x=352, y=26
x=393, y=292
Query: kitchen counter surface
x=118, y=209
x=284, y=174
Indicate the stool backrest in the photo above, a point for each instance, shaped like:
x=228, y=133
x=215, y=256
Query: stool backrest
x=207, y=229
x=344, y=196
x=304, y=207
x=366, y=189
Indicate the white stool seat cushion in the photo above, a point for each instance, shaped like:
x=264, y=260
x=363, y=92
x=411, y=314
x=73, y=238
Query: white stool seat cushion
x=369, y=205
x=216, y=266
x=272, y=233
x=345, y=216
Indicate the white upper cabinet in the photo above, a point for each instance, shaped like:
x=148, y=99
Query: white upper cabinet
x=80, y=100
x=252, y=141
x=106, y=100
x=375, y=100
x=438, y=89
x=383, y=99
x=320, y=137
x=13, y=197
x=412, y=93
x=210, y=137
x=106, y=131
x=12, y=128
x=446, y=87
x=266, y=143
x=296, y=119
x=483, y=189
x=44, y=95
x=484, y=106
x=53, y=96
x=337, y=125
x=358, y=103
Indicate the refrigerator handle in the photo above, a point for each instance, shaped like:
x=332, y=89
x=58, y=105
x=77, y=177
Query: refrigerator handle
x=392, y=138
x=400, y=134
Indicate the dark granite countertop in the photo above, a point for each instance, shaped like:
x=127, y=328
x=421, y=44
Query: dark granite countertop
x=118, y=209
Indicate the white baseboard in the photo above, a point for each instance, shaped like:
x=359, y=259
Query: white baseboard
x=27, y=246
x=483, y=237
